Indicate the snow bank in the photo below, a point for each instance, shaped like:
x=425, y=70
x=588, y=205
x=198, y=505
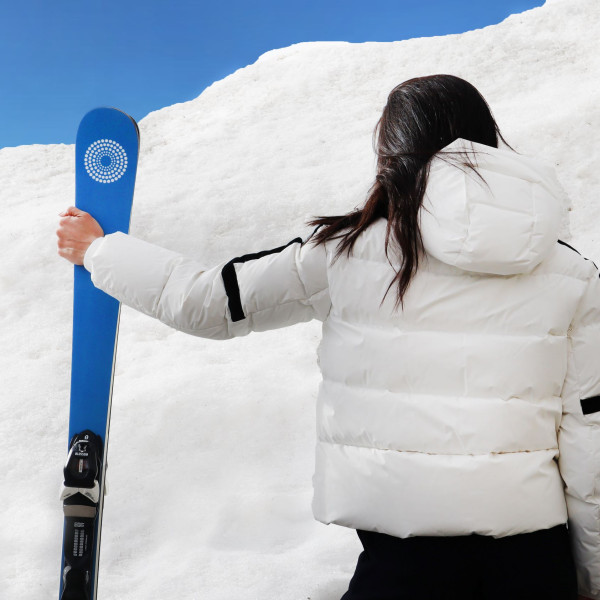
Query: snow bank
x=211, y=446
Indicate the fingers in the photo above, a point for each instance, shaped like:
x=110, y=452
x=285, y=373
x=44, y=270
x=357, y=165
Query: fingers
x=70, y=246
x=72, y=252
x=72, y=211
x=76, y=231
x=70, y=230
x=78, y=225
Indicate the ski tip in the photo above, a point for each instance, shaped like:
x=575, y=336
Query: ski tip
x=101, y=112
x=137, y=128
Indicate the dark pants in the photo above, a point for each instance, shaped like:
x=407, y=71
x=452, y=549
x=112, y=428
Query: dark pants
x=529, y=566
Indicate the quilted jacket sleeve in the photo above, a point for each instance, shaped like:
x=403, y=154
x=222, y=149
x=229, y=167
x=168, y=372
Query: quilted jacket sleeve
x=255, y=292
x=579, y=438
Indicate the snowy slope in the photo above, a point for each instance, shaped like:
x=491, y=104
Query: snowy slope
x=211, y=446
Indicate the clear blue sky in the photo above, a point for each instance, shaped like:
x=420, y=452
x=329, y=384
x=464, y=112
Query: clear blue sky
x=61, y=58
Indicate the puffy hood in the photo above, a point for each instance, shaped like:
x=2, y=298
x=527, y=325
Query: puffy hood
x=504, y=222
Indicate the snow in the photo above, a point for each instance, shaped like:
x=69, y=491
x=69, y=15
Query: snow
x=211, y=446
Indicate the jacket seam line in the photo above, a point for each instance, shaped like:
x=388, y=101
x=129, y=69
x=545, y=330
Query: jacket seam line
x=437, y=453
x=377, y=390
x=385, y=325
x=460, y=272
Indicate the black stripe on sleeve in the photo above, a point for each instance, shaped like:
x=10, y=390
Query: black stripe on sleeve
x=574, y=250
x=230, y=281
x=590, y=405
x=568, y=246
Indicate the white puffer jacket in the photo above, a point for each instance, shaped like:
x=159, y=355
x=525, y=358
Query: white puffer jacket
x=446, y=417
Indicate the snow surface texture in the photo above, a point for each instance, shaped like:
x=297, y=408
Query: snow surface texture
x=211, y=446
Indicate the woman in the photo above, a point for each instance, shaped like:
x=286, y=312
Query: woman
x=459, y=355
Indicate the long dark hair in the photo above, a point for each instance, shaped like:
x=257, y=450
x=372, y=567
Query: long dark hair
x=422, y=116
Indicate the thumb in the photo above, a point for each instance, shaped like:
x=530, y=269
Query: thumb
x=72, y=211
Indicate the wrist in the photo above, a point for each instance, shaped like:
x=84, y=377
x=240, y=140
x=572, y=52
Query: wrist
x=89, y=253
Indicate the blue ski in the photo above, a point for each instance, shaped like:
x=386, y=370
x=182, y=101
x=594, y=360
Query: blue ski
x=106, y=154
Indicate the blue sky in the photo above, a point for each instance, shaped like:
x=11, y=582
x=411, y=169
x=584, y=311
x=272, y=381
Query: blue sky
x=61, y=58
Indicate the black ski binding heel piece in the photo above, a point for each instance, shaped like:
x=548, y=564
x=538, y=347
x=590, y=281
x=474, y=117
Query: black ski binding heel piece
x=80, y=495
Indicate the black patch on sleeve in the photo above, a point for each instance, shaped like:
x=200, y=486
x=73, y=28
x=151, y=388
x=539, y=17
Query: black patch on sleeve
x=590, y=405
x=230, y=281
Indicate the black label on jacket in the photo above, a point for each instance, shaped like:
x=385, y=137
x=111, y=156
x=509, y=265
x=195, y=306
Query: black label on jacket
x=590, y=405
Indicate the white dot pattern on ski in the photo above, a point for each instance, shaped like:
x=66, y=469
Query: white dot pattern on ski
x=105, y=161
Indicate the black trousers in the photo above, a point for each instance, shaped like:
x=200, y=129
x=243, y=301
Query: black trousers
x=529, y=566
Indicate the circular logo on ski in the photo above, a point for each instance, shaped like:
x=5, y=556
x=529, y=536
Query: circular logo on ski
x=105, y=161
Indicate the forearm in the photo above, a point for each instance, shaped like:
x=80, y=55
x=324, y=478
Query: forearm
x=162, y=284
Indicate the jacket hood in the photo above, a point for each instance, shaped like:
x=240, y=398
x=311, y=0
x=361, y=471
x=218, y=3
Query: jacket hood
x=504, y=222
